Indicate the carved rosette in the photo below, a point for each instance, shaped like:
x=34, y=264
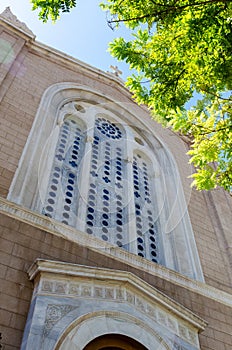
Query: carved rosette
x=54, y=314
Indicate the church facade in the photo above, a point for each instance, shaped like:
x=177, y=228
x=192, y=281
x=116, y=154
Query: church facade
x=103, y=243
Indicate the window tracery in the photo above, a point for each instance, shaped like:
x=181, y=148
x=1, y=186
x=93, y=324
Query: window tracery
x=99, y=149
x=61, y=202
x=108, y=176
x=107, y=209
x=147, y=224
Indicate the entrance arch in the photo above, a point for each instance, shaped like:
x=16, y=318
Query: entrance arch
x=113, y=330
x=114, y=342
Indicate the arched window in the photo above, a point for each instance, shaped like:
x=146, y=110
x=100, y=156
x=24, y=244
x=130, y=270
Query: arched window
x=107, y=211
x=112, y=209
x=61, y=201
x=147, y=221
x=92, y=164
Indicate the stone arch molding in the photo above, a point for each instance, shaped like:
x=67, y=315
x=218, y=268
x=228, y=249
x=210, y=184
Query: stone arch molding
x=87, y=328
x=177, y=239
x=73, y=305
x=48, y=120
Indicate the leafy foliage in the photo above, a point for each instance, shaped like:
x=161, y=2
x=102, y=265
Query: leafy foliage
x=181, y=49
x=211, y=132
x=52, y=8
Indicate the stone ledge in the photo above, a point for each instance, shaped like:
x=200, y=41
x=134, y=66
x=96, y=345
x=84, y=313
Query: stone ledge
x=61, y=230
x=84, y=275
x=9, y=19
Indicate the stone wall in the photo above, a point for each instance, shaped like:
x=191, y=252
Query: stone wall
x=21, y=244
x=28, y=69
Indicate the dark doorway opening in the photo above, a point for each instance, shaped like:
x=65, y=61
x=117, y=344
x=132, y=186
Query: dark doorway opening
x=114, y=342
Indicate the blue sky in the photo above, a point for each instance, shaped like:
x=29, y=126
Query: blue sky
x=83, y=33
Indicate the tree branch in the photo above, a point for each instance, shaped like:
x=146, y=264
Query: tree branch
x=218, y=96
x=169, y=8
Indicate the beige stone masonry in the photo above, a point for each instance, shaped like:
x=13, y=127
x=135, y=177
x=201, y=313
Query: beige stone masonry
x=73, y=235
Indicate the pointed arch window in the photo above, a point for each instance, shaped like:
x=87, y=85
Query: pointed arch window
x=147, y=223
x=107, y=212
x=61, y=201
x=111, y=209
x=84, y=166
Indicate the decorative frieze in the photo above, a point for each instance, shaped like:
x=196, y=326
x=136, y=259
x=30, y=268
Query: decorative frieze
x=60, y=288
x=113, y=293
x=74, y=289
x=109, y=293
x=65, y=294
x=47, y=286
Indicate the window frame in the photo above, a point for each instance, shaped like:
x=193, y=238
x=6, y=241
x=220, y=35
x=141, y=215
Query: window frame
x=179, y=247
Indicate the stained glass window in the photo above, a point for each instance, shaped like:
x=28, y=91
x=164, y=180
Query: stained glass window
x=62, y=197
x=107, y=212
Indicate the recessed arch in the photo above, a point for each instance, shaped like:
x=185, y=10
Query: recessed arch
x=47, y=120
x=180, y=252
x=87, y=328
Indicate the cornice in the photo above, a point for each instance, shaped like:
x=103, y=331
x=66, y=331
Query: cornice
x=71, y=62
x=128, y=279
x=58, y=229
x=9, y=20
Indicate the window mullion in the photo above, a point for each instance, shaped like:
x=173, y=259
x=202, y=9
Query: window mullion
x=85, y=178
x=132, y=235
